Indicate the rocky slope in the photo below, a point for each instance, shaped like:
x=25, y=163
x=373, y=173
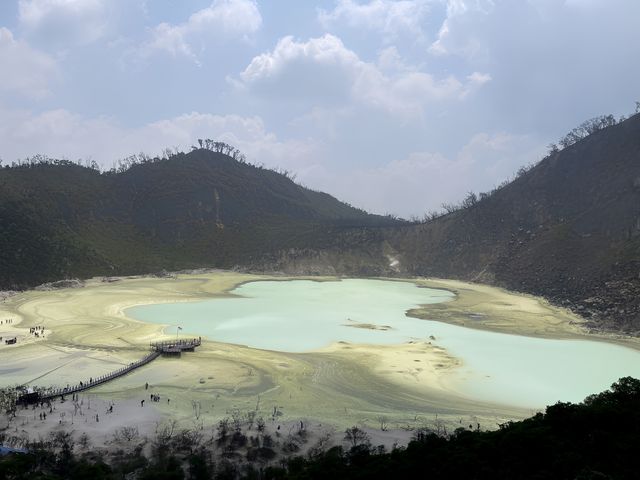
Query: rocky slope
x=568, y=229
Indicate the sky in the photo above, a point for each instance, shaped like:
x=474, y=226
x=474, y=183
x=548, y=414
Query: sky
x=393, y=106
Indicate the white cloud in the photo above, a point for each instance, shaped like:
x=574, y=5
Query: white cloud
x=249, y=134
x=414, y=184
x=222, y=19
x=63, y=134
x=459, y=14
x=322, y=70
x=24, y=70
x=548, y=59
x=60, y=22
x=389, y=60
x=171, y=40
x=474, y=82
x=387, y=17
x=422, y=181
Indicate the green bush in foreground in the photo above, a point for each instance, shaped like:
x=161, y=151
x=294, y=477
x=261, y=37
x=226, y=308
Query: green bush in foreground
x=596, y=439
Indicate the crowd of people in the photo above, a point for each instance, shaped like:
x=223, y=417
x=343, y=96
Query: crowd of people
x=154, y=397
x=12, y=340
x=37, y=331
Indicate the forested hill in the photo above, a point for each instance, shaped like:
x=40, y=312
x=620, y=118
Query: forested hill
x=204, y=208
x=567, y=229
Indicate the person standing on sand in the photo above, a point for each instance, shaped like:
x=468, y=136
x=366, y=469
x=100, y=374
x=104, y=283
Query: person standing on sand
x=142, y=403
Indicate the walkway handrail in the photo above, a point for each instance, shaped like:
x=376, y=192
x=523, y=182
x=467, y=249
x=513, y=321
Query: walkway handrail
x=159, y=348
x=101, y=379
x=182, y=344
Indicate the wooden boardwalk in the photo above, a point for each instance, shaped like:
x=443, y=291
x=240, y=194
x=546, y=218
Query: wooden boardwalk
x=167, y=347
x=94, y=382
x=176, y=347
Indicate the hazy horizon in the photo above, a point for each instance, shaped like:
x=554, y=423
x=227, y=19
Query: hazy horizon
x=392, y=106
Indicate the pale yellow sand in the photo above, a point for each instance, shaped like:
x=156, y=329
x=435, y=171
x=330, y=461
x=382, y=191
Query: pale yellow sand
x=87, y=334
x=491, y=308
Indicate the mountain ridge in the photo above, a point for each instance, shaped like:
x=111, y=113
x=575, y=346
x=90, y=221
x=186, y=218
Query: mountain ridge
x=567, y=229
x=191, y=210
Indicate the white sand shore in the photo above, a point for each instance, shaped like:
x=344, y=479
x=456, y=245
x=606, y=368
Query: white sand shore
x=87, y=334
x=90, y=414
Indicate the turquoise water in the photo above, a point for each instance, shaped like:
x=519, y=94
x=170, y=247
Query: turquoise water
x=302, y=315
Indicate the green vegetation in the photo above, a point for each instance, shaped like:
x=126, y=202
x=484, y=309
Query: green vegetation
x=566, y=228
x=596, y=439
x=206, y=208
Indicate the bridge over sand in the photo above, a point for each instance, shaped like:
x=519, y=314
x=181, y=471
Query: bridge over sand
x=167, y=347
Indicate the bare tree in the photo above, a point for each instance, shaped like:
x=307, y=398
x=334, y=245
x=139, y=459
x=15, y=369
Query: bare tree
x=260, y=425
x=587, y=128
x=355, y=436
x=251, y=415
x=383, y=422
x=450, y=207
x=223, y=430
x=165, y=431
x=470, y=200
x=125, y=434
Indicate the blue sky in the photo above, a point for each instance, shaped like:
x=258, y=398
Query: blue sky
x=393, y=106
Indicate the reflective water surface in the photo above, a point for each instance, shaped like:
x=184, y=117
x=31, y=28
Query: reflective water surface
x=302, y=315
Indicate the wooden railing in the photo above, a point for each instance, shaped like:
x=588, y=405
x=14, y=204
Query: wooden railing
x=158, y=348
x=94, y=382
x=178, y=344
